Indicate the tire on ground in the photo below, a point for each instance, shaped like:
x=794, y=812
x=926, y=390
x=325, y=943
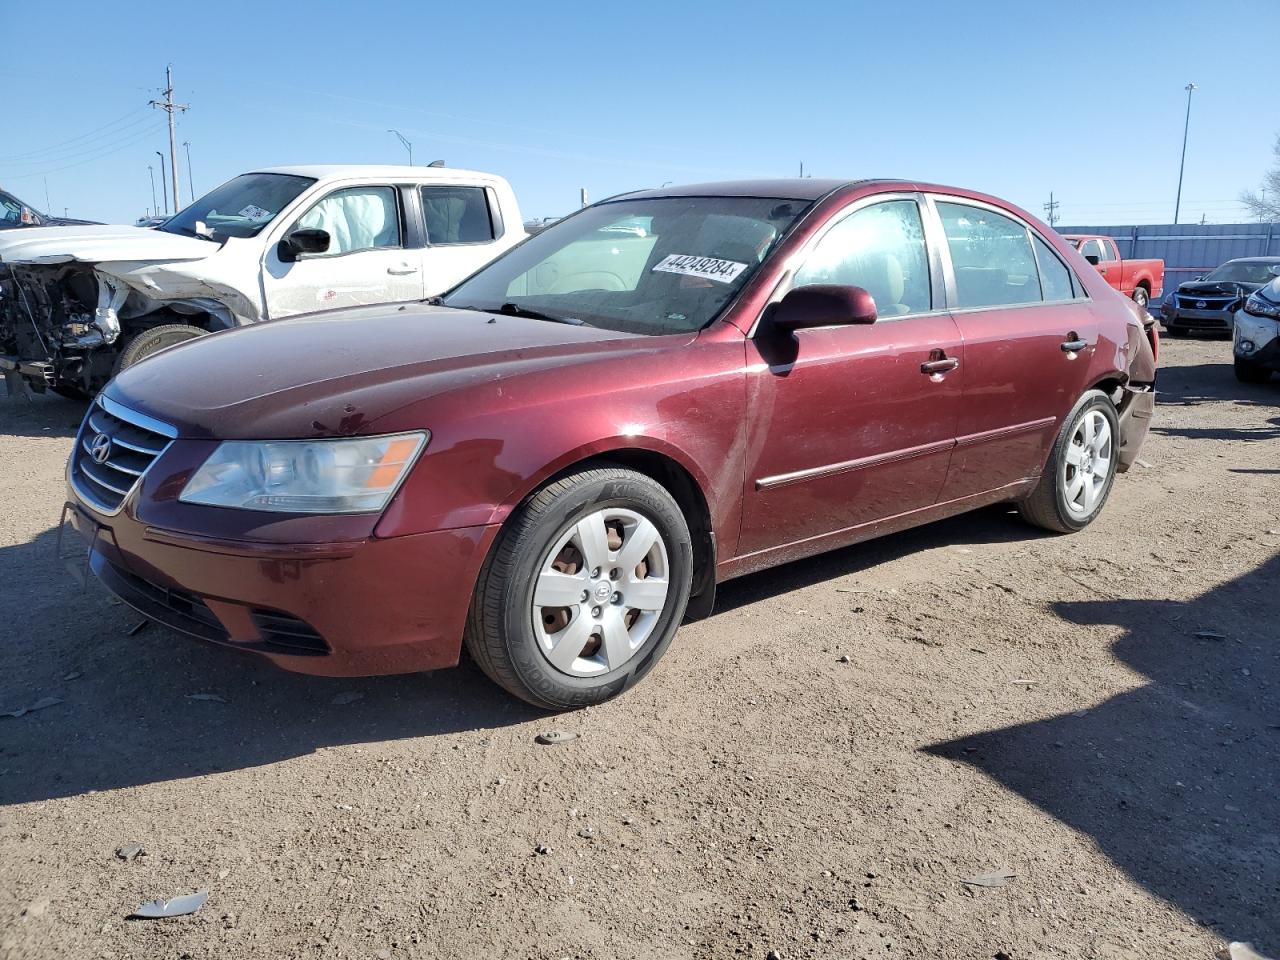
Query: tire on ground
x=1247, y=372
x=154, y=339
x=1046, y=506
x=500, y=635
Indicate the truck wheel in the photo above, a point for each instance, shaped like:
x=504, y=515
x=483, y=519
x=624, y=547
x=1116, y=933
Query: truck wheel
x=583, y=590
x=1247, y=372
x=153, y=340
x=1140, y=297
x=1081, y=468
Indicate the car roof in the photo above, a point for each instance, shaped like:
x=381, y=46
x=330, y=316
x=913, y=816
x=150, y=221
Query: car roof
x=1253, y=259
x=338, y=171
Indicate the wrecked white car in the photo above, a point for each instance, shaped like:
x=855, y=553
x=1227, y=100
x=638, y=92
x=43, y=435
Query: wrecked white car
x=79, y=303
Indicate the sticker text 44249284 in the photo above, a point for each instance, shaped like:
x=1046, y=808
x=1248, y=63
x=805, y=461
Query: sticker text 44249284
x=708, y=268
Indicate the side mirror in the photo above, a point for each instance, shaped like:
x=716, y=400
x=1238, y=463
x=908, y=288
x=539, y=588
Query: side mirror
x=1092, y=258
x=307, y=240
x=824, y=305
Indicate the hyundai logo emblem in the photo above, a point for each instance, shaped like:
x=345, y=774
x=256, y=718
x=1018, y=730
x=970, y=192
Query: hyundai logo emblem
x=1200, y=304
x=100, y=449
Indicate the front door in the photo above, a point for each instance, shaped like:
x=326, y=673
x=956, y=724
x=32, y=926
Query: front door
x=1028, y=331
x=367, y=261
x=848, y=425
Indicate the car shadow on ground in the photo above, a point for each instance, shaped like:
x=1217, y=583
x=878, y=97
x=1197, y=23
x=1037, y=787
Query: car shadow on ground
x=159, y=706
x=1177, y=780
x=1212, y=382
x=27, y=414
x=996, y=524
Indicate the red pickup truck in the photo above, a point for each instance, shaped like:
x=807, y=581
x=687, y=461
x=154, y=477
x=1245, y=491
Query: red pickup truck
x=1141, y=279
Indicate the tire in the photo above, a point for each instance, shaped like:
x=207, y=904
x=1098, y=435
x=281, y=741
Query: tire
x=1247, y=372
x=1057, y=503
x=542, y=549
x=1141, y=297
x=153, y=340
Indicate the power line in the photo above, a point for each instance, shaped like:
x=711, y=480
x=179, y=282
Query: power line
x=112, y=141
x=62, y=143
x=79, y=163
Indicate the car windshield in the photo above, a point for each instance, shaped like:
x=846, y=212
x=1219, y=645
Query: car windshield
x=654, y=266
x=239, y=208
x=1246, y=271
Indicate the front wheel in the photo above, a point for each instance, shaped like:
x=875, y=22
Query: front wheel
x=1081, y=468
x=1247, y=372
x=153, y=340
x=1140, y=297
x=583, y=590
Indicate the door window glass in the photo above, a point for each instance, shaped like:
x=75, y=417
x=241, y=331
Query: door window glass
x=1091, y=248
x=991, y=256
x=881, y=249
x=1055, y=276
x=456, y=215
x=357, y=218
x=1108, y=251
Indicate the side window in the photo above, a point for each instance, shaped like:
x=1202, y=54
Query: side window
x=456, y=215
x=356, y=218
x=880, y=248
x=1091, y=248
x=991, y=256
x=1055, y=276
x=1108, y=249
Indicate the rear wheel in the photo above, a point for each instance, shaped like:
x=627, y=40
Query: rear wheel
x=153, y=340
x=1141, y=297
x=1247, y=372
x=1081, y=468
x=584, y=589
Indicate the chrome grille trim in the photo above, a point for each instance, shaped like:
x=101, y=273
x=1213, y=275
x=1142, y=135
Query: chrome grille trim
x=136, y=442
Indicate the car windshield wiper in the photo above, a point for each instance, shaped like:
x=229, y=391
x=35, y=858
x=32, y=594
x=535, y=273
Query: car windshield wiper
x=515, y=310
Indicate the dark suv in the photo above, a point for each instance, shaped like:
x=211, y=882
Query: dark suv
x=1207, y=304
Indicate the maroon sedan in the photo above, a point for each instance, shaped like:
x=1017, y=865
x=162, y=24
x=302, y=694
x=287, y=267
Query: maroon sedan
x=557, y=462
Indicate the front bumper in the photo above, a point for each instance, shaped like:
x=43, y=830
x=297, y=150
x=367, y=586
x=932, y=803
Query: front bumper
x=1262, y=335
x=352, y=608
x=1184, y=320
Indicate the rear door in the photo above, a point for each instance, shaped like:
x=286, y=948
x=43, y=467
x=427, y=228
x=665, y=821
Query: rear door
x=463, y=223
x=1028, y=331
x=369, y=260
x=848, y=424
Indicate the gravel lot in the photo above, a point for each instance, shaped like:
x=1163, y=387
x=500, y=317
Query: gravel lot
x=1097, y=714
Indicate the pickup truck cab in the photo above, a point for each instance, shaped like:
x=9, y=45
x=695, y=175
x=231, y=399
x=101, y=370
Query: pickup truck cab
x=1143, y=280
x=78, y=304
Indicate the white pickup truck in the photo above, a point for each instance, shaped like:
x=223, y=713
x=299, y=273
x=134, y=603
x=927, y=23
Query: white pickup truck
x=79, y=303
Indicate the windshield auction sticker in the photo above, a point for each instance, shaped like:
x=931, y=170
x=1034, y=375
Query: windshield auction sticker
x=254, y=212
x=708, y=268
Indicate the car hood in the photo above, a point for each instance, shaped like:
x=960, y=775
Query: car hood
x=1223, y=288
x=99, y=243
x=336, y=373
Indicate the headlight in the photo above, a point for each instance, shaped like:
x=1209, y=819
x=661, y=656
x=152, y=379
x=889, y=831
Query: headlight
x=349, y=475
x=1261, y=307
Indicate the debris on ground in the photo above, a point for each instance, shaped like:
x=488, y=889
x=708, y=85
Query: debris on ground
x=73, y=675
x=1210, y=635
x=843, y=658
x=38, y=705
x=131, y=850
x=137, y=628
x=36, y=908
x=177, y=907
x=996, y=878
x=350, y=696
x=542, y=849
x=212, y=697
x=556, y=736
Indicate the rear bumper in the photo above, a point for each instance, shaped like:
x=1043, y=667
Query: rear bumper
x=366, y=608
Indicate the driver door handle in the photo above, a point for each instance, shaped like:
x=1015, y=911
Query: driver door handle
x=402, y=270
x=930, y=367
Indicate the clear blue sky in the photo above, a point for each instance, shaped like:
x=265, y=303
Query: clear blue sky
x=1018, y=99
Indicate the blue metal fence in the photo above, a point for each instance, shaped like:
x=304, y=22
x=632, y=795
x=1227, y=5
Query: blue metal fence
x=1190, y=249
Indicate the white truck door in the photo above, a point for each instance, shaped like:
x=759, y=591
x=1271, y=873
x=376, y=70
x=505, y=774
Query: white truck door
x=463, y=225
x=366, y=262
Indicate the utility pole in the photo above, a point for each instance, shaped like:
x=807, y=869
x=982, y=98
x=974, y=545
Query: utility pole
x=191, y=181
x=407, y=145
x=169, y=107
x=152, y=170
x=164, y=189
x=1186, y=125
x=1051, y=208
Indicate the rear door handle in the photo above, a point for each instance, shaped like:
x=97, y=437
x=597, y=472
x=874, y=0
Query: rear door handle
x=930, y=367
x=401, y=270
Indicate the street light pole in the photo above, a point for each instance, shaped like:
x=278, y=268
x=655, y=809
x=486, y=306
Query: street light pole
x=152, y=170
x=407, y=145
x=191, y=181
x=1186, y=125
x=164, y=187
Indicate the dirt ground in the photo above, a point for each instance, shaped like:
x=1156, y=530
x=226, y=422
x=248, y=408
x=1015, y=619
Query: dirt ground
x=1098, y=714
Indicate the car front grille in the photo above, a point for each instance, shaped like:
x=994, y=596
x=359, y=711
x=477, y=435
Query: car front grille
x=113, y=451
x=1189, y=301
